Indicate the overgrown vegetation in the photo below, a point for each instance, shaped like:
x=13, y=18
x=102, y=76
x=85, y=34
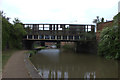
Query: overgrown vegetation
x=31, y=52
x=109, y=45
x=11, y=33
x=68, y=48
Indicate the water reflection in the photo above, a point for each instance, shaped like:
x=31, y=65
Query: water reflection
x=52, y=54
x=52, y=74
x=59, y=73
x=51, y=63
x=89, y=75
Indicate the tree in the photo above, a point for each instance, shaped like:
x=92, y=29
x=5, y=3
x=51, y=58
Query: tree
x=109, y=45
x=16, y=20
x=5, y=31
x=96, y=20
x=18, y=32
x=12, y=34
x=102, y=19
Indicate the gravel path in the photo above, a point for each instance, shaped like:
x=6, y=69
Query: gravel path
x=16, y=67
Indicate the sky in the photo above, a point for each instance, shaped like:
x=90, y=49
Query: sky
x=59, y=11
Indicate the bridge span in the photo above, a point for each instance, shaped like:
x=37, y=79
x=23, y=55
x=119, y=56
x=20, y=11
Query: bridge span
x=58, y=33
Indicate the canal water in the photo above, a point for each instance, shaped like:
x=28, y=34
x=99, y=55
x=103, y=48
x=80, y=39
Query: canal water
x=53, y=63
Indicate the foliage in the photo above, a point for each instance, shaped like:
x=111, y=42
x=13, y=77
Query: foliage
x=102, y=19
x=28, y=30
x=68, y=47
x=98, y=20
x=31, y=53
x=109, y=45
x=19, y=32
x=116, y=19
x=90, y=35
x=11, y=33
x=5, y=32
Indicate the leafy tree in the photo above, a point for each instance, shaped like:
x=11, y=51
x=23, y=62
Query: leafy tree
x=16, y=21
x=97, y=20
x=5, y=31
x=11, y=33
x=109, y=45
x=102, y=19
x=116, y=19
x=19, y=32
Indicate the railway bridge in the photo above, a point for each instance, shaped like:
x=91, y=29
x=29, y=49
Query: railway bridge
x=78, y=33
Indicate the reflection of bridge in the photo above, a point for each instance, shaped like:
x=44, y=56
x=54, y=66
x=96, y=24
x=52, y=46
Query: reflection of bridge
x=59, y=32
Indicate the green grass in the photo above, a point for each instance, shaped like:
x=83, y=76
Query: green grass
x=6, y=55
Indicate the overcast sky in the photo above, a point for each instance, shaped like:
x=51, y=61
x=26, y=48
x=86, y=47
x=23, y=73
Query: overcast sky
x=59, y=11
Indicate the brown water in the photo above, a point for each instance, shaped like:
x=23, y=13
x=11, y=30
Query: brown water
x=51, y=63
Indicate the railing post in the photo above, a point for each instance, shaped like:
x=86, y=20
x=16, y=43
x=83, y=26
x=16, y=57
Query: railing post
x=55, y=37
x=73, y=37
x=44, y=37
x=61, y=37
x=32, y=36
x=38, y=37
x=50, y=37
x=79, y=37
x=67, y=38
x=27, y=36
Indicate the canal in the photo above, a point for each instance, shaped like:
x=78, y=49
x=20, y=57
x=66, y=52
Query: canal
x=54, y=63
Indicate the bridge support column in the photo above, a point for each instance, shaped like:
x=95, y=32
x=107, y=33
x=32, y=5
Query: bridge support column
x=38, y=37
x=44, y=37
x=67, y=37
x=58, y=44
x=55, y=37
x=61, y=37
x=50, y=37
x=27, y=36
x=80, y=47
x=28, y=44
x=79, y=37
x=73, y=37
x=86, y=47
x=32, y=36
x=42, y=43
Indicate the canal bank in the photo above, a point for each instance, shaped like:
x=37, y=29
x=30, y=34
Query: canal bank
x=32, y=70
